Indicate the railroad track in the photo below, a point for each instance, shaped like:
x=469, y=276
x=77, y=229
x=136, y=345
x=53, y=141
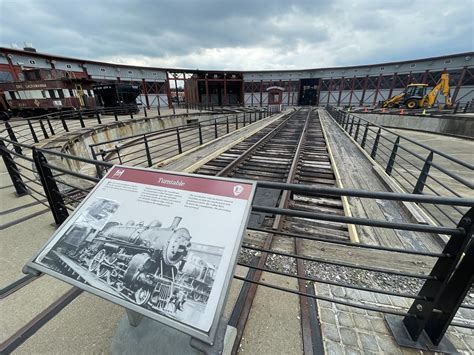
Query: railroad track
x=294, y=151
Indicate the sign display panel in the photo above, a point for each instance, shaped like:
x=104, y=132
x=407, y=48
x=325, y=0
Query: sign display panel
x=160, y=243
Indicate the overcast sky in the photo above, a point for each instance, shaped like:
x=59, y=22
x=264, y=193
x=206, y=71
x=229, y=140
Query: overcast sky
x=240, y=34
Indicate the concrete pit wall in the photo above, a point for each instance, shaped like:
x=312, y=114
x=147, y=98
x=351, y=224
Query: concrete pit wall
x=460, y=125
x=77, y=143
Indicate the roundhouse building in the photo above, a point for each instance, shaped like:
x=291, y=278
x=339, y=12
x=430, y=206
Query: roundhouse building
x=363, y=85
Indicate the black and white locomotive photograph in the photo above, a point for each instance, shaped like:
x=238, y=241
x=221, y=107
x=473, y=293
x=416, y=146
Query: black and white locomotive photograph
x=151, y=263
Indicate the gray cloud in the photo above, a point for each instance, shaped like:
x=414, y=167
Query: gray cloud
x=240, y=34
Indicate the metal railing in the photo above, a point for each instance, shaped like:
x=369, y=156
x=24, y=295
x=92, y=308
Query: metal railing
x=434, y=304
x=150, y=148
x=416, y=167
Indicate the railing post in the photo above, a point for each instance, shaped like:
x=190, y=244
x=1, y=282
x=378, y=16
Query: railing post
x=352, y=125
x=215, y=128
x=174, y=110
x=33, y=133
x=81, y=119
x=420, y=183
x=356, y=135
x=456, y=108
x=63, y=121
x=244, y=119
x=465, y=107
x=131, y=114
x=45, y=134
x=200, y=133
x=144, y=112
x=97, y=114
x=442, y=294
x=364, y=137
x=115, y=115
x=393, y=156
x=346, y=120
x=376, y=144
x=50, y=127
x=12, y=136
x=13, y=171
x=97, y=167
x=117, y=150
x=180, y=150
x=227, y=123
x=147, y=149
x=51, y=189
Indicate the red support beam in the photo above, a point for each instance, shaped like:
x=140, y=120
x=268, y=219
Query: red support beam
x=394, y=80
x=261, y=93
x=320, y=83
x=225, y=90
x=366, y=79
x=288, y=88
x=329, y=90
x=341, y=87
x=377, y=89
x=459, y=84
x=168, y=91
x=352, y=89
x=207, y=90
x=145, y=92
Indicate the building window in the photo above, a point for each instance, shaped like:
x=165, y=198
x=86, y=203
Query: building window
x=413, y=65
x=153, y=73
x=32, y=61
x=332, y=72
x=382, y=68
x=69, y=66
x=102, y=70
x=52, y=94
x=71, y=93
x=447, y=61
x=130, y=72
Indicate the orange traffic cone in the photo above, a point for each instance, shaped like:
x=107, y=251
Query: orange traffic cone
x=402, y=111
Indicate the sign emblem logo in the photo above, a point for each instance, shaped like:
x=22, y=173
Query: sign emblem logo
x=238, y=190
x=118, y=173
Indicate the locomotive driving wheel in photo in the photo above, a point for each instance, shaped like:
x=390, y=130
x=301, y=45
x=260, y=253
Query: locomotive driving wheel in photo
x=142, y=295
x=97, y=261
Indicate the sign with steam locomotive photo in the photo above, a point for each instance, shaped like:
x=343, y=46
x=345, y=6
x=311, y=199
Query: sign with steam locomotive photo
x=162, y=244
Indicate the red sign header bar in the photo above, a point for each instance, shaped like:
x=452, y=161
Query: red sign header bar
x=182, y=182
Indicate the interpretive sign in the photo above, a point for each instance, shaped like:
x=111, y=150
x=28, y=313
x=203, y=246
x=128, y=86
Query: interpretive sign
x=160, y=243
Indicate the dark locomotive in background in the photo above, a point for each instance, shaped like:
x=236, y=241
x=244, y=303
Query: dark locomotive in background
x=50, y=90
x=146, y=264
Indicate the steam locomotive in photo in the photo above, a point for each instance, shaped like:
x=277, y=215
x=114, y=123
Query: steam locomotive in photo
x=146, y=264
x=50, y=90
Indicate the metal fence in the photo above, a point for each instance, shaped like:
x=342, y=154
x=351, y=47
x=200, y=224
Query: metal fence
x=42, y=174
x=416, y=167
x=35, y=129
x=150, y=148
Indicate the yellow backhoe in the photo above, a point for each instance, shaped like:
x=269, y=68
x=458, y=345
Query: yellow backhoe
x=415, y=96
